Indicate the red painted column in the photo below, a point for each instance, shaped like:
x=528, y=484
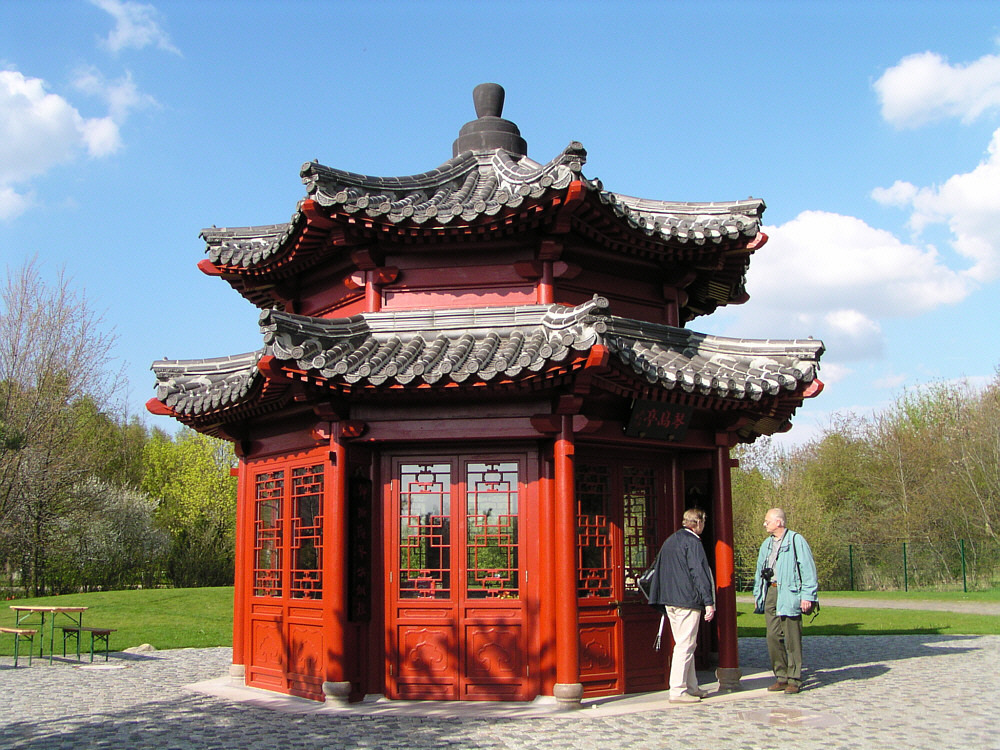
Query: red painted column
x=546, y=294
x=243, y=572
x=722, y=517
x=336, y=687
x=568, y=689
x=373, y=295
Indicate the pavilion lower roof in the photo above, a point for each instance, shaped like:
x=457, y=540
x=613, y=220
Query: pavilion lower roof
x=420, y=350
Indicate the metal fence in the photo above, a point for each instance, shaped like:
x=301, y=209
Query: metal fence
x=962, y=565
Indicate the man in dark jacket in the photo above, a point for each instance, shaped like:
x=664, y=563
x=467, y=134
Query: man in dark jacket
x=684, y=585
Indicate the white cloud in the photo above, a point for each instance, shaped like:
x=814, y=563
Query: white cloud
x=832, y=372
x=121, y=96
x=835, y=278
x=968, y=204
x=923, y=88
x=39, y=130
x=890, y=382
x=136, y=26
x=841, y=263
x=12, y=204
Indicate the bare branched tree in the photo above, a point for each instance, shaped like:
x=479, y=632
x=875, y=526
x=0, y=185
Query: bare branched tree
x=55, y=361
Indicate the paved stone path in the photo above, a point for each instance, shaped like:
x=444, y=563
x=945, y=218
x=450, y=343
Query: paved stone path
x=910, y=691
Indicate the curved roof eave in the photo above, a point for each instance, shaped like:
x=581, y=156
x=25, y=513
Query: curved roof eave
x=474, y=187
x=479, y=346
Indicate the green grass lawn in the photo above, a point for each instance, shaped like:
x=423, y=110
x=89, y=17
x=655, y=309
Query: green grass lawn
x=164, y=618
x=992, y=595
x=834, y=620
x=200, y=618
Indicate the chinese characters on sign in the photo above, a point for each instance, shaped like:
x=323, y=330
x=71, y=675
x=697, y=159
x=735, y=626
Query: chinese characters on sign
x=652, y=419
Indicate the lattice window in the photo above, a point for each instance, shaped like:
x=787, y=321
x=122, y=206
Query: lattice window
x=639, y=499
x=307, y=532
x=425, y=531
x=593, y=531
x=269, y=488
x=491, y=494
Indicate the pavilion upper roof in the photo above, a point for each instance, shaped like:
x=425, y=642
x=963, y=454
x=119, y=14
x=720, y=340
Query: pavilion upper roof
x=437, y=348
x=475, y=187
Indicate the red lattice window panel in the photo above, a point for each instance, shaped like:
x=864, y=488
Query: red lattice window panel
x=639, y=500
x=491, y=523
x=425, y=531
x=269, y=489
x=593, y=531
x=307, y=532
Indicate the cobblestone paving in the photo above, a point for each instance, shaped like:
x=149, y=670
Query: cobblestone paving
x=862, y=692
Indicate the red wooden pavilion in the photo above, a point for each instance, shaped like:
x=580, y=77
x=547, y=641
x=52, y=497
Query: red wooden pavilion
x=476, y=414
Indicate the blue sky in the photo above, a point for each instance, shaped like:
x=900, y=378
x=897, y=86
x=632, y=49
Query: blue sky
x=871, y=129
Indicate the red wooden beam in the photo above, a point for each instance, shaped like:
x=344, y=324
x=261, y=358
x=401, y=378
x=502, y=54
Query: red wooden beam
x=160, y=409
x=208, y=268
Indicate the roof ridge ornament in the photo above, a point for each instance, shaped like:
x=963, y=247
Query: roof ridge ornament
x=490, y=131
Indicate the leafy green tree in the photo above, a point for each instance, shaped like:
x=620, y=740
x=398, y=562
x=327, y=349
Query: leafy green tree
x=189, y=476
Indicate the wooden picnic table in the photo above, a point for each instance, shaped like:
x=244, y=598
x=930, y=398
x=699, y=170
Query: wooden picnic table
x=23, y=612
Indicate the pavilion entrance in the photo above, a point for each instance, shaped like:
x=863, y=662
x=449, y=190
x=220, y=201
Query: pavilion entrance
x=457, y=625
x=623, y=511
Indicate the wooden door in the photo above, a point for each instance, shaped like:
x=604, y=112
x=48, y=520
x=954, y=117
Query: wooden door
x=285, y=616
x=456, y=621
x=618, y=504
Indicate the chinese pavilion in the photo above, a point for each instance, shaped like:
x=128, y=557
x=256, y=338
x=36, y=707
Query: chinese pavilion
x=476, y=414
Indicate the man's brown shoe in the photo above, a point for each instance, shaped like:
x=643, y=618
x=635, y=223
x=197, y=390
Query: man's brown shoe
x=790, y=689
x=777, y=687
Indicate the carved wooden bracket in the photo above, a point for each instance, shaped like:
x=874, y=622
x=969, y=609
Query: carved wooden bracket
x=349, y=430
x=366, y=259
x=529, y=269
x=563, y=270
x=550, y=250
x=551, y=424
x=379, y=276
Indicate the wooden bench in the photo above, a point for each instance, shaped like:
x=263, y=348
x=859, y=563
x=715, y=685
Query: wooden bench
x=20, y=633
x=96, y=634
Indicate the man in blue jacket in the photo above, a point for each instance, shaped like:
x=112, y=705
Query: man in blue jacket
x=684, y=585
x=784, y=589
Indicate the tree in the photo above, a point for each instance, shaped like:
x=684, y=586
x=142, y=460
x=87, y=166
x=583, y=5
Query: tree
x=55, y=364
x=189, y=476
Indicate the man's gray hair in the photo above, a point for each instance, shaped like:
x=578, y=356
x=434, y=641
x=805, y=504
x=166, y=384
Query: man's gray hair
x=693, y=516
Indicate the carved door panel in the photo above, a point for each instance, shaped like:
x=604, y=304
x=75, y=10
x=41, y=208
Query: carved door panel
x=456, y=619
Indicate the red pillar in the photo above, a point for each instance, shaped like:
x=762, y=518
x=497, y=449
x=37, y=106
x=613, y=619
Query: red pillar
x=568, y=689
x=243, y=573
x=373, y=295
x=336, y=687
x=722, y=513
x=546, y=295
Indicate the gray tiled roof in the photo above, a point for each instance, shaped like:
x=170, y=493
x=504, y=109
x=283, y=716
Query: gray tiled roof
x=200, y=386
x=477, y=186
x=481, y=344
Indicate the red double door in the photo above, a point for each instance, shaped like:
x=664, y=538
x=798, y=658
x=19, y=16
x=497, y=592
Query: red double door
x=457, y=623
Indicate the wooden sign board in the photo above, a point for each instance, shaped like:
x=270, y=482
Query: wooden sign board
x=659, y=421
